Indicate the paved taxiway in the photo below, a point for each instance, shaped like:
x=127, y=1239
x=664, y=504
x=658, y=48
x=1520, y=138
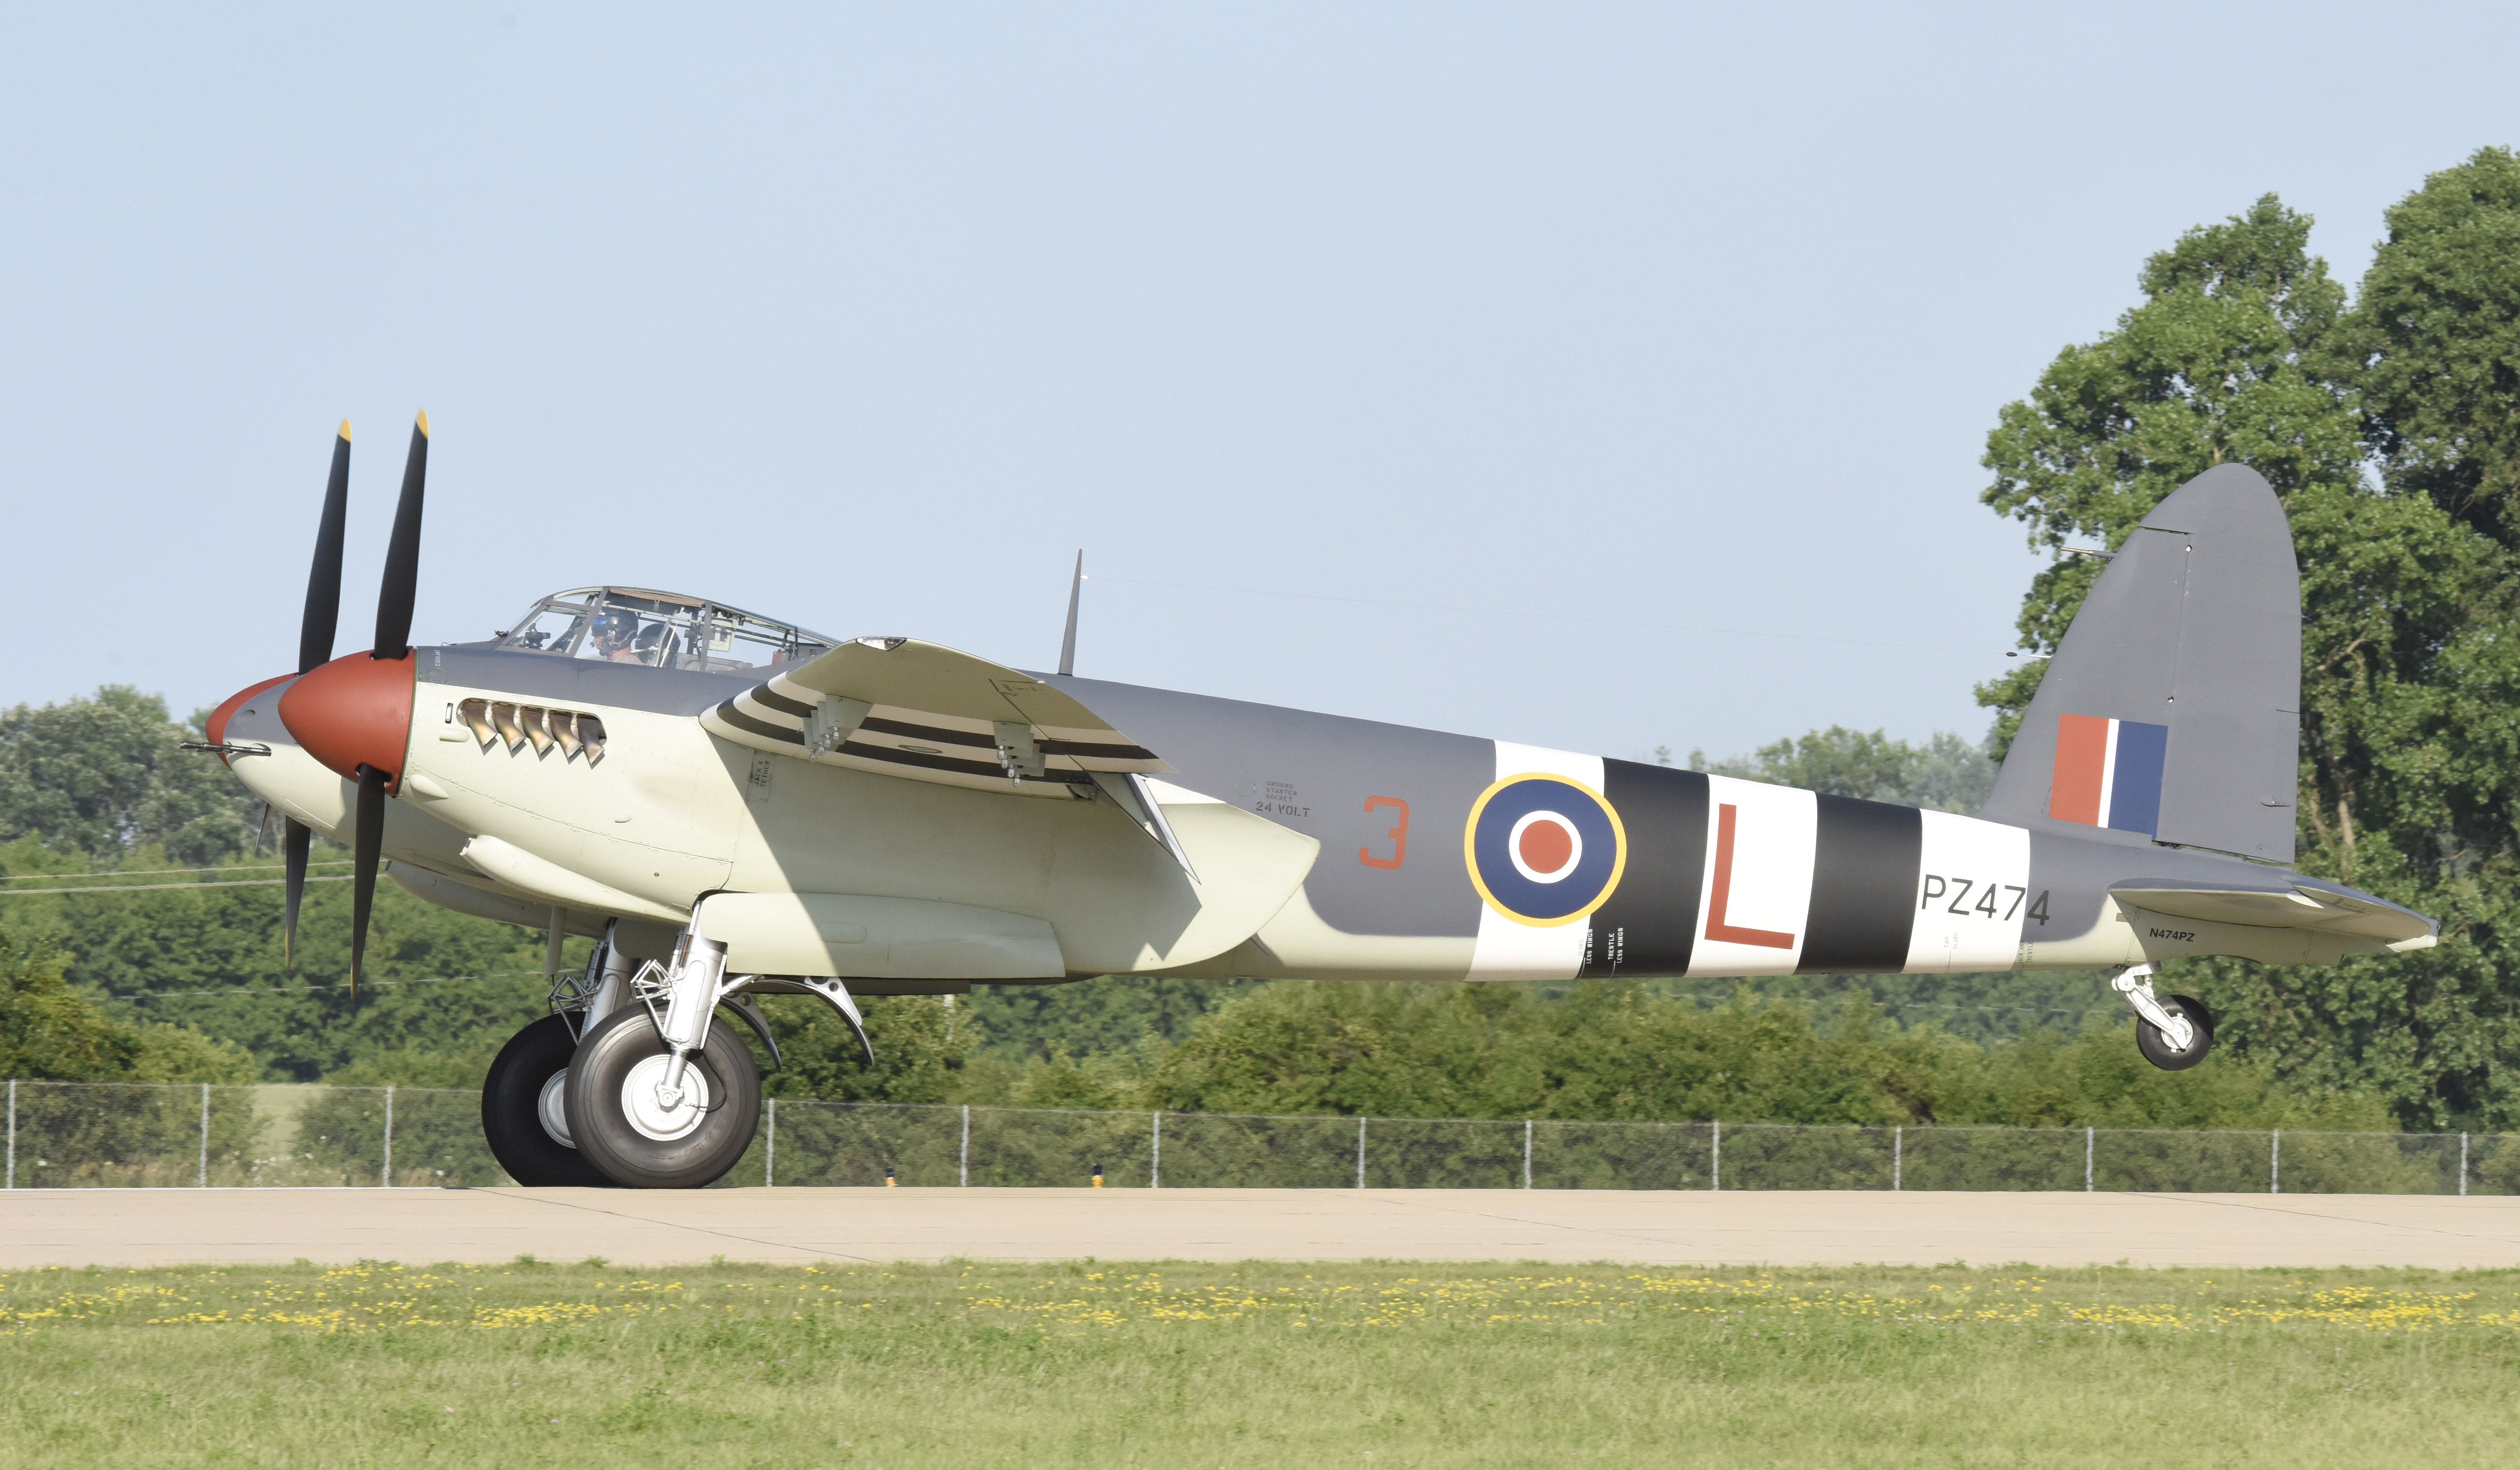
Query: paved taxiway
x=170, y=1226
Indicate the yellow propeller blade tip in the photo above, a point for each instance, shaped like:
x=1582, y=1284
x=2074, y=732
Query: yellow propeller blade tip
x=424, y=423
x=346, y=428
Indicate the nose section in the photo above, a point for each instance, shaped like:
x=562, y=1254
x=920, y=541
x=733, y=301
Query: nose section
x=353, y=712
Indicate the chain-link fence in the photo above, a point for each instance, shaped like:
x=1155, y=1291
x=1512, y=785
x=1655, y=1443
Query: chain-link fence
x=69, y=1135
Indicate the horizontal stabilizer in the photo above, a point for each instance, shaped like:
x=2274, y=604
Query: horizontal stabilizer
x=2325, y=911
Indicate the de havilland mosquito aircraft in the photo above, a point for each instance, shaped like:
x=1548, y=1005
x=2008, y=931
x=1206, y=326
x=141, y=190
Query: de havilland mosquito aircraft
x=732, y=805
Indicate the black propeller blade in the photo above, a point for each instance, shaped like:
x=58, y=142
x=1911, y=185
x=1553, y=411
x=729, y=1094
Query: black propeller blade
x=294, y=844
x=324, y=581
x=315, y=648
x=367, y=849
x=400, y=586
x=397, y=592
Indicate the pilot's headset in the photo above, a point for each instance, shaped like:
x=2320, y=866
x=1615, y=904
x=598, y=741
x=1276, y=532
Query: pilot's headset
x=615, y=630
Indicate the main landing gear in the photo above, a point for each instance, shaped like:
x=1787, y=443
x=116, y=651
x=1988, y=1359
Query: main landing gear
x=521, y=1114
x=654, y=1119
x=628, y=1082
x=2172, y=1033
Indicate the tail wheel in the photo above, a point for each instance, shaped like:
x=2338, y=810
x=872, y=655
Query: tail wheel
x=2156, y=1048
x=620, y=1123
x=520, y=1110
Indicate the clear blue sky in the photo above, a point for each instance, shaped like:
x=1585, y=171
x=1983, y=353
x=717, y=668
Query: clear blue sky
x=1368, y=350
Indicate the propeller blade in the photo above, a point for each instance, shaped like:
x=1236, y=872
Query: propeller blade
x=294, y=839
x=400, y=586
x=367, y=849
x=324, y=581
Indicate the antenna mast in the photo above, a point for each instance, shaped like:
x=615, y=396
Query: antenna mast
x=1067, y=645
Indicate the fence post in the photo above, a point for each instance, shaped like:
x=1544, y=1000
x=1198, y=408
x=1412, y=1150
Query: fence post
x=13, y=1151
x=12, y=1133
x=1526, y=1153
x=2089, y=1135
x=204, y=1182
x=770, y=1150
x=389, y=1169
x=1898, y=1153
x=1715, y=1174
x=2275, y=1162
x=1360, y=1151
x=963, y=1167
x=1155, y=1154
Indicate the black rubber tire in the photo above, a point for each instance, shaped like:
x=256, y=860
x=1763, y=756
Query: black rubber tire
x=512, y=1110
x=2156, y=1048
x=605, y=1059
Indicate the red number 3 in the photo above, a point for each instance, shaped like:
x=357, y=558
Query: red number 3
x=1399, y=835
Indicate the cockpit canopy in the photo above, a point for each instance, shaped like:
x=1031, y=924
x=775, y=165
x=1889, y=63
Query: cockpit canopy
x=663, y=630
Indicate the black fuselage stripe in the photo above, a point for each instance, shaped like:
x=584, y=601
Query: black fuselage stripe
x=1864, y=886
x=1648, y=926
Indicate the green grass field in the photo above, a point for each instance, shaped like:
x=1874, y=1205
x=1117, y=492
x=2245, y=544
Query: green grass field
x=1380, y=1364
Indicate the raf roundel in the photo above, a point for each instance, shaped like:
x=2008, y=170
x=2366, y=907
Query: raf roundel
x=1543, y=850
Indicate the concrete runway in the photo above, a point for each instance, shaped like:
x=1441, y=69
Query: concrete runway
x=632, y=1227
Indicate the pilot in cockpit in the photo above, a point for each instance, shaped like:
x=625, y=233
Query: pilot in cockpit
x=617, y=635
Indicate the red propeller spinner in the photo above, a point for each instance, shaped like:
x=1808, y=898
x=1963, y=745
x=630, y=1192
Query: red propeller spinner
x=355, y=711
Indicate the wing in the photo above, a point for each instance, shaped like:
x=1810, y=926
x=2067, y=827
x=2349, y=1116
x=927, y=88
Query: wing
x=2299, y=906
x=903, y=707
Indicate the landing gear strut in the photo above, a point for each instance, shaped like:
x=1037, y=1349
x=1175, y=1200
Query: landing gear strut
x=659, y=1099
x=2174, y=1033
x=627, y=1083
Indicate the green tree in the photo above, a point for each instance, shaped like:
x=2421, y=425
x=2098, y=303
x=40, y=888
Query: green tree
x=444, y=989
x=2241, y=352
x=1626, y=1052
x=2433, y=343
x=1109, y=1014
x=101, y=777
x=50, y=1032
x=2225, y=360
x=1947, y=772
x=2411, y=765
x=921, y=1044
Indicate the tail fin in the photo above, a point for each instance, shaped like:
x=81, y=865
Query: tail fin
x=2172, y=710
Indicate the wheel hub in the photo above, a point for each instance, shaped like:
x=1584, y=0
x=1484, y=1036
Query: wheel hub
x=642, y=1104
x=548, y=1109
